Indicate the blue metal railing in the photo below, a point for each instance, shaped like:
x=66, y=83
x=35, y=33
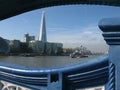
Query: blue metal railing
x=83, y=74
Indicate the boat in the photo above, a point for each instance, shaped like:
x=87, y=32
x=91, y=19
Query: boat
x=77, y=54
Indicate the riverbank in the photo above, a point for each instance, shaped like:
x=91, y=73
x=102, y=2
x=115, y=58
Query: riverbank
x=30, y=54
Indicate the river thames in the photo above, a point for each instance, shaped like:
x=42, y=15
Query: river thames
x=41, y=61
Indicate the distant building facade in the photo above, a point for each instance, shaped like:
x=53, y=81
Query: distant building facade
x=36, y=46
x=4, y=46
x=14, y=45
x=28, y=38
x=46, y=48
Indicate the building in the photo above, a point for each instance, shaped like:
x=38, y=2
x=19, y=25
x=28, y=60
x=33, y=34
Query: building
x=14, y=46
x=37, y=46
x=28, y=38
x=4, y=46
x=42, y=33
x=42, y=46
x=45, y=48
x=53, y=48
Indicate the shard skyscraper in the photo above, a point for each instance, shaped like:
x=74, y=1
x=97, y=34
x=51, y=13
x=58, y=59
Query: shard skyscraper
x=42, y=33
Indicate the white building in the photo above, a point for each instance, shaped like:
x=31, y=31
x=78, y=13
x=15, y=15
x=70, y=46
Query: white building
x=42, y=33
x=28, y=38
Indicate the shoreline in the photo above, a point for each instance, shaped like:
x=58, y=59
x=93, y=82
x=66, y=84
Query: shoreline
x=30, y=54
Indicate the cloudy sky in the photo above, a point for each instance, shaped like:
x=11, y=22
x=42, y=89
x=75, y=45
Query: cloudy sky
x=73, y=26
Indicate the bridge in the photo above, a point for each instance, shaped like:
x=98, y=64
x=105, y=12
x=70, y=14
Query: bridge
x=11, y=8
x=104, y=70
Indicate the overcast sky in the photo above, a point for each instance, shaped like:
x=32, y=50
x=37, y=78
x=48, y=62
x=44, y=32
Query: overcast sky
x=73, y=26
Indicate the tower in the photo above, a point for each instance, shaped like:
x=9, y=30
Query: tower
x=42, y=33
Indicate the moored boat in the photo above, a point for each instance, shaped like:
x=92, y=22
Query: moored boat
x=77, y=54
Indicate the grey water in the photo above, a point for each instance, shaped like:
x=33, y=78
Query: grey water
x=41, y=61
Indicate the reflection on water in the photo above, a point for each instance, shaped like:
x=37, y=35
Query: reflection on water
x=41, y=61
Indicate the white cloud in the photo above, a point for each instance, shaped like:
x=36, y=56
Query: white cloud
x=89, y=36
x=88, y=32
x=58, y=29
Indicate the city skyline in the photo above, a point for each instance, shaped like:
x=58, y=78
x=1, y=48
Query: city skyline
x=70, y=25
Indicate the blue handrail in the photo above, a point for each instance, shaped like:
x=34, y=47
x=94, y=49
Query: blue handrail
x=77, y=74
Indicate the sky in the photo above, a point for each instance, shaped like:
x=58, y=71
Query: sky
x=72, y=25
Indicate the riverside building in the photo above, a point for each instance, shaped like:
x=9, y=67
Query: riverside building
x=28, y=38
x=41, y=45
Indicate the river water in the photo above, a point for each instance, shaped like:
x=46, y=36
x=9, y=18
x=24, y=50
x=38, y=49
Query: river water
x=41, y=61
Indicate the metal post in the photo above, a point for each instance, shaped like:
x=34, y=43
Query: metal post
x=55, y=81
x=111, y=29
